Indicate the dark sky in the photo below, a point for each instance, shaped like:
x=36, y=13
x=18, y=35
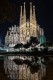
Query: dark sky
x=9, y=15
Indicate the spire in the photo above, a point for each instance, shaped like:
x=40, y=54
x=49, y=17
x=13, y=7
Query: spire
x=24, y=14
x=34, y=16
x=42, y=31
x=30, y=11
x=33, y=11
x=21, y=11
x=21, y=15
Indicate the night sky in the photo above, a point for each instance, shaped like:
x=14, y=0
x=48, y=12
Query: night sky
x=10, y=10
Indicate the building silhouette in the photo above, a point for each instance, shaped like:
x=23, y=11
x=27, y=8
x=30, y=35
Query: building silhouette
x=26, y=29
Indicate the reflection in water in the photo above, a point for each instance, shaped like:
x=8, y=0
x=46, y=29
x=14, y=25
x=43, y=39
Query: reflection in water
x=24, y=67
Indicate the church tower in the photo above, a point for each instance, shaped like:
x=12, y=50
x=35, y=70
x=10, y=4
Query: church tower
x=31, y=29
x=24, y=21
x=33, y=26
x=24, y=13
x=23, y=25
x=21, y=17
x=34, y=16
x=30, y=12
x=35, y=23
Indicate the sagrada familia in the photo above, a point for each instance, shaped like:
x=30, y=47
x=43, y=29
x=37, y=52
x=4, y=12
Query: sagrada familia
x=21, y=34
x=26, y=29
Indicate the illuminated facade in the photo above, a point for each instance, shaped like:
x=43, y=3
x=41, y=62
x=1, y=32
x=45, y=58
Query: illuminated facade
x=26, y=29
x=12, y=36
x=23, y=71
x=21, y=34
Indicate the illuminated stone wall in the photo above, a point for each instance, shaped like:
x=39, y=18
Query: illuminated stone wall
x=23, y=71
x=26, y=29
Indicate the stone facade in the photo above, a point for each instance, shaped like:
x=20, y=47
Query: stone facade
x=26, y=29
x=22, y=71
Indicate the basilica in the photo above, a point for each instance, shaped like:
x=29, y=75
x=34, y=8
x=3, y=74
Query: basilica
x=26, y=29
x=23, y=69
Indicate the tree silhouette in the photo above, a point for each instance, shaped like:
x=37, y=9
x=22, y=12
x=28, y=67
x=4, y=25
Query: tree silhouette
x=18, y=45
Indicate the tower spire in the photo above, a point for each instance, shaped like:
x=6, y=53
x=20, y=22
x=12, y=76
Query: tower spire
x=34, y=11
x=34, y=16
x=34, y=22
x=42, y=31
x=30, y=12
x=24, y=14
x=21, y=16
